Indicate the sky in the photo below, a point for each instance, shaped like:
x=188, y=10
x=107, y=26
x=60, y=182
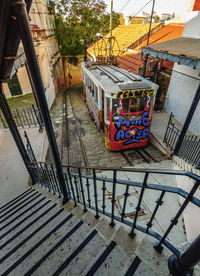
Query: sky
x=161, y=6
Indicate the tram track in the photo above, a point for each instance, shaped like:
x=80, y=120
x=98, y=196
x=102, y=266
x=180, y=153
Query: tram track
x=83, y=144
x=65, y=131
x=82, y=147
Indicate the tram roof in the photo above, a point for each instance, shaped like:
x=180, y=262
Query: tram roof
x=113, y=79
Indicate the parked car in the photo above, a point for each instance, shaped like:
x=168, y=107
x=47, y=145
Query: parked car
x=34, y=27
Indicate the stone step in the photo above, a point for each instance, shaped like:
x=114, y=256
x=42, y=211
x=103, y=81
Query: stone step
x=12, y=202
x=110, y=261
x=18, y=235
x=19, y=221
x=30, y=252
x=52, y=239
x=19, y=207
x=156, y=262
x=137, y=267
x=59, y=220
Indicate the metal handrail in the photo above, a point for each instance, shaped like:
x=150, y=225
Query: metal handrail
x=190, y=147
x=88, y=189
x=25, y=117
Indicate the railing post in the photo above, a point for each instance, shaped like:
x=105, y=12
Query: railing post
x=20, y=13
x=158, y=246
x=112, y=224
x=184, y=264
x=198, y=165
x=138, y=208
x=169, y=122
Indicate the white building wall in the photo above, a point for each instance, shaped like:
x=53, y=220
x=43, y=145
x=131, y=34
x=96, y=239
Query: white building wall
x=192, y=27
x=181, y=91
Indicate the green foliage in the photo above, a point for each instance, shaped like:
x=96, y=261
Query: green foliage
x=78, y=21
x=156, y=19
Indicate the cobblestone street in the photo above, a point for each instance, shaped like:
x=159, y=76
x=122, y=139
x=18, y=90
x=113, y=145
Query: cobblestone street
x=81, y=143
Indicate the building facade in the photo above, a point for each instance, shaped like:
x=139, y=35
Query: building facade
x=50, y=62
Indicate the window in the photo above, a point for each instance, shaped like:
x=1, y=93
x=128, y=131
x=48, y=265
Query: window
x=107, y=109
x=115, y=110
x=96, y=94
x=133, y=104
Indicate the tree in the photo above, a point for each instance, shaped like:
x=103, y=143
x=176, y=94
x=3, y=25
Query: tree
x=78, y=21
x=156, y=19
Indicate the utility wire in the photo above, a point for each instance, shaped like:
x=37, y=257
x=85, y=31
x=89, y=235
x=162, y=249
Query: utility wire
x=124, y=6
x=140, y=9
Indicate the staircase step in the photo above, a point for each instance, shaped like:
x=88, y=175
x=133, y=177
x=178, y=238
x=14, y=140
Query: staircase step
x=61, y=253
x=109, y=262
x=137, y=267
x=127, y=243
x=37, y=245
x=101, y=258
x=15, y=200
x=24, y=230
x=19, y=207
x=155, y=261
x=77, y=262
x=24, y=218
x=40, y=238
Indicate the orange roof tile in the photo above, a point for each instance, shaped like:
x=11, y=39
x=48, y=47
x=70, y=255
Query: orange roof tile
x=169, y=32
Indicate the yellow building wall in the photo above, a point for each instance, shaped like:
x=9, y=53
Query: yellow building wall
x=24, y=80
x=6, y=90
x=73, y=73
x=136, y=21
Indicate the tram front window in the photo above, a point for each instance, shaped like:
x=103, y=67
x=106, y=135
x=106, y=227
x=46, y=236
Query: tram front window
x=134, y=105
x=128, y=106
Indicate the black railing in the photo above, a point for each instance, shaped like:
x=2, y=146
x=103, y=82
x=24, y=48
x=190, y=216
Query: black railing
x=190, y=148
x=100, y=193
x=25, y=117
x=172, y=133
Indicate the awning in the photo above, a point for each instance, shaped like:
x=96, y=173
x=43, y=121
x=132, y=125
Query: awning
x=182, y=50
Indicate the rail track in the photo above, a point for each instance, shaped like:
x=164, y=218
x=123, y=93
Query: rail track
x=81, y=139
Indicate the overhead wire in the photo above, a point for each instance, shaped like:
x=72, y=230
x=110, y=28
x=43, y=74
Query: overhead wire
x=124, y=6
x=134, y=14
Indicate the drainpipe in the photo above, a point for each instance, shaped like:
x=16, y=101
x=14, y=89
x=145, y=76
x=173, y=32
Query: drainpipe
x=146, y=57
x=20, y=13
x=185, y=263
x=187, y=121
x=15, y=132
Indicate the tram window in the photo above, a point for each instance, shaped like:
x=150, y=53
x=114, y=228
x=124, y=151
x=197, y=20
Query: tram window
x=96, y=94
x=108, y=109
x=134, y=104
x=115, y=110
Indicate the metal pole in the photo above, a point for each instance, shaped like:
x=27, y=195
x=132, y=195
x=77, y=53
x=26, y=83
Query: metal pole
x=19, y=11
x=187, y=121
x=111, y=22
x=149, y=33
x=185, y=263
x=15, y=132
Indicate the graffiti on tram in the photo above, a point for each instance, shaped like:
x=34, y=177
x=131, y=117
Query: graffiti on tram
x=133, y=131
